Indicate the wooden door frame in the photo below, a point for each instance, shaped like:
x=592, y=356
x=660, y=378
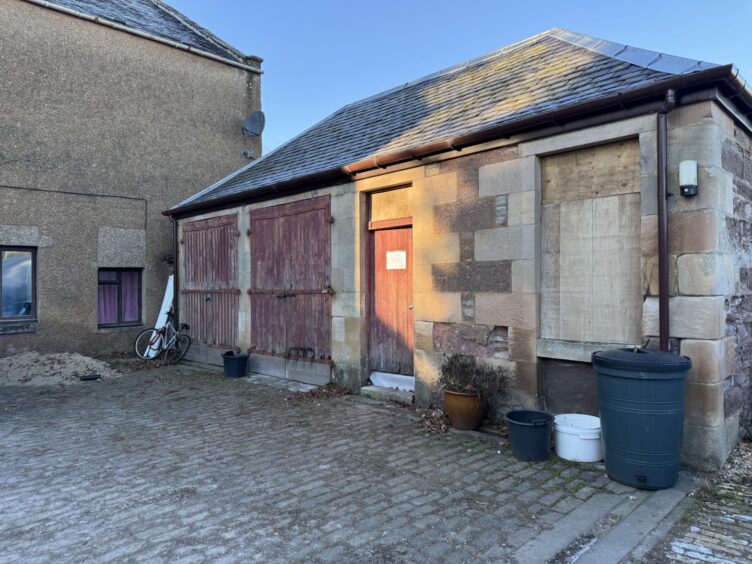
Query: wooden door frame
x=373, y=227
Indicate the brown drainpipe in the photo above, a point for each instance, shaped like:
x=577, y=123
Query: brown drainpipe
x=663, y=290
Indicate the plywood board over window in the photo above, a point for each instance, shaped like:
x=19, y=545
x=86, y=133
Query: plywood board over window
x=590, y=245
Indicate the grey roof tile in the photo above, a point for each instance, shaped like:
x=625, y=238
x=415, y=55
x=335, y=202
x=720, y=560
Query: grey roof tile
x=547, y=72
x=156, y=18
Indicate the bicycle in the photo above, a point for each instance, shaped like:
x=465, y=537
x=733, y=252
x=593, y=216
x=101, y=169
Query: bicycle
x=152, y=342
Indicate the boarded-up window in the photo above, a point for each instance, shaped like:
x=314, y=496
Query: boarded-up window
x=391, y=204
x=590, y=256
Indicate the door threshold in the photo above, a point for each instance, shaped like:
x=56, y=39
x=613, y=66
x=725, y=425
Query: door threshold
x=395, y=381
x=380, y=393
x=281, y=383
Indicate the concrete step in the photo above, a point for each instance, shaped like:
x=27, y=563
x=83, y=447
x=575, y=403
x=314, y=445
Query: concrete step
x=609, y=527
x=388, y=394
x=568, y=530
x=636, y=528
x=282, y=383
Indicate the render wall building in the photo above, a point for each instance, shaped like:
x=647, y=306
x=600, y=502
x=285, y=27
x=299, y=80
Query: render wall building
x=510, y=208
x=109, y=112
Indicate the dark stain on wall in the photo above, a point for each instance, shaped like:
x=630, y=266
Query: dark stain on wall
x=475, y=340
x=473, y=276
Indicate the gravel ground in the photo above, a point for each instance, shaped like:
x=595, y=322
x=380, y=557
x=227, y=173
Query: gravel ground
x=718, y=526
x=34, y=369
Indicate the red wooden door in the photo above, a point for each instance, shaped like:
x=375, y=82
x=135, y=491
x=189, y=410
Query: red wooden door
x=210, y=293
x=290, y=280
x=391, y=334
x=268, y=310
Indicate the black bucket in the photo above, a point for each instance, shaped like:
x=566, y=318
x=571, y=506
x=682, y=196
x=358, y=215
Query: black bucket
x=530, y=434
x=236, y=365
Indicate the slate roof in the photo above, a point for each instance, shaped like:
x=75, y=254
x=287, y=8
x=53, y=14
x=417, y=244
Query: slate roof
x=550, y=71
x=156, y=18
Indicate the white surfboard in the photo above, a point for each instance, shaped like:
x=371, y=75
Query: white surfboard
x=162, y=318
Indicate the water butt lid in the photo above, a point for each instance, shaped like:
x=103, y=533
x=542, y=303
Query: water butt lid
x=641, y=360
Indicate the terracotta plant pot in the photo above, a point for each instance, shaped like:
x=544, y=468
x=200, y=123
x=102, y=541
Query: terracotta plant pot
x=465, y=410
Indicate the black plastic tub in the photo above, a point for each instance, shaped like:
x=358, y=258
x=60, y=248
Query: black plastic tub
x=236, y=365
x=530, y=434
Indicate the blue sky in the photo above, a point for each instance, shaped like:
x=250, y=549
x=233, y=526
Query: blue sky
x=320, y=55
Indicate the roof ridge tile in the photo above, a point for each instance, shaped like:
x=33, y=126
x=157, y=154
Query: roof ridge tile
x=671, y=64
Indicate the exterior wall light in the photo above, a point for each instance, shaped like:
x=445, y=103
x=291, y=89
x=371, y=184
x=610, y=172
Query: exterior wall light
x=688, y=178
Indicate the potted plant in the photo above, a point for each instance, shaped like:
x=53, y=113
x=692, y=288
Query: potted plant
x=468, y=387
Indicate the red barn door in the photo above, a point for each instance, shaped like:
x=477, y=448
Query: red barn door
x=290, y=290
x=391, y=334
x=210, y=293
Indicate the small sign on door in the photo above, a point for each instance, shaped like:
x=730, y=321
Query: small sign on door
x=396, y=260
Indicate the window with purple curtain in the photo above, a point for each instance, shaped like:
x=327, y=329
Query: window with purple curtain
x=119, y=297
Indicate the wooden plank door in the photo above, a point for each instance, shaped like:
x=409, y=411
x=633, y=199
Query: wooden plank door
x=268, y=307
x=391, y=332
x=290, y=281
x=210, y=293
x=307, y=247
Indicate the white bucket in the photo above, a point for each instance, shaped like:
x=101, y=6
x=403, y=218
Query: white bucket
x=578, y=437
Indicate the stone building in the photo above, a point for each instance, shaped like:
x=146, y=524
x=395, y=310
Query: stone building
x=109, y=112
x=507, y=208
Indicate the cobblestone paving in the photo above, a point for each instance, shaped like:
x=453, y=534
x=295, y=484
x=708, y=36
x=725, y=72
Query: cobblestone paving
x=175, y=464
x=718, y=528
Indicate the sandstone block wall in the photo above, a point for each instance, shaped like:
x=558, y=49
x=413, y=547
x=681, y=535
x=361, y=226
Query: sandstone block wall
x=708, y=253
x=736, y=178
x=474, y=253
x=477, y=269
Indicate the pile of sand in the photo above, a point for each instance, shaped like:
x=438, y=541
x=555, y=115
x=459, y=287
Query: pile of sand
x=34, y=369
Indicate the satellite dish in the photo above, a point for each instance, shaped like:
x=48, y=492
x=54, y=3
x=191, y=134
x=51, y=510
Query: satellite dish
x=254, y=125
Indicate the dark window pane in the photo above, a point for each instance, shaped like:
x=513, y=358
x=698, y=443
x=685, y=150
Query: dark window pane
x=108, y=303
x=130, y=295
x=17, y=283
x=108, y=276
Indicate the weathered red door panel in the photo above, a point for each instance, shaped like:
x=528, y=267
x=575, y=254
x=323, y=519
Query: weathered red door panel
x=310, y=339
x=290, y=272
x=268, y=324
x=391, y=335
x=210, y=293
x=266, y=249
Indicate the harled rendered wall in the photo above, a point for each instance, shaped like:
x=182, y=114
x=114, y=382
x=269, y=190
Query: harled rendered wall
x=100, y=131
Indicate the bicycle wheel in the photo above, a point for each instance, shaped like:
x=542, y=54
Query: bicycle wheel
x=177, y=351
x=148, y=344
